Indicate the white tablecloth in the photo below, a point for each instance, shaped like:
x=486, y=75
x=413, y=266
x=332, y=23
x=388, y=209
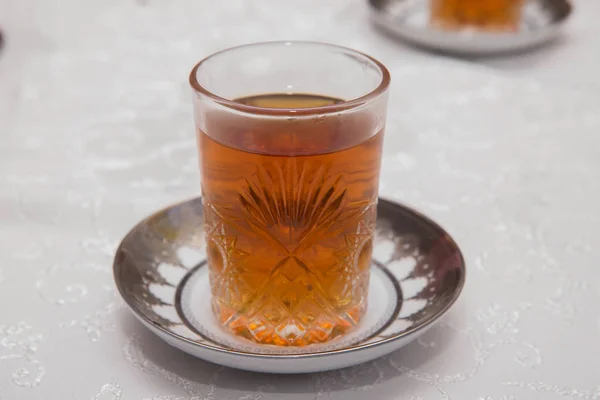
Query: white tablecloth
x=96, y=132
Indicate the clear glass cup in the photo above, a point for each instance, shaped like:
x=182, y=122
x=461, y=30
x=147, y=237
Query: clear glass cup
x=289, y=138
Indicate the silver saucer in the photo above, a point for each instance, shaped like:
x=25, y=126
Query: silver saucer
x=160, y=270
x=409, y=20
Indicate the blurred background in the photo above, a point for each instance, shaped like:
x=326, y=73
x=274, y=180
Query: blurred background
x=96, y=132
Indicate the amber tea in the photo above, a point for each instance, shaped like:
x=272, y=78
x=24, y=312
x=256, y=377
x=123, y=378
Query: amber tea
x=289, y=235
x=490, y=15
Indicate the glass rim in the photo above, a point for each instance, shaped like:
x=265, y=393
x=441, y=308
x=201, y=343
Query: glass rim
x=307, y=111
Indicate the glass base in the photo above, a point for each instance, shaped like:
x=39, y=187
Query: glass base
x=308, y=325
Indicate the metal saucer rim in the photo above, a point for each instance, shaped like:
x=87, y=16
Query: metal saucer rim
x=304, y=356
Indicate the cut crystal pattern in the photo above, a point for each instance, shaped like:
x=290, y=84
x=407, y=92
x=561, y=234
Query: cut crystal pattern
x=290, y=261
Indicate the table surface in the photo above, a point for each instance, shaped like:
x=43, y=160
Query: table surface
x=96, y=132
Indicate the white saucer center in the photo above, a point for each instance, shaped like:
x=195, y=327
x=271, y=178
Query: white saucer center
x=383, y=301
